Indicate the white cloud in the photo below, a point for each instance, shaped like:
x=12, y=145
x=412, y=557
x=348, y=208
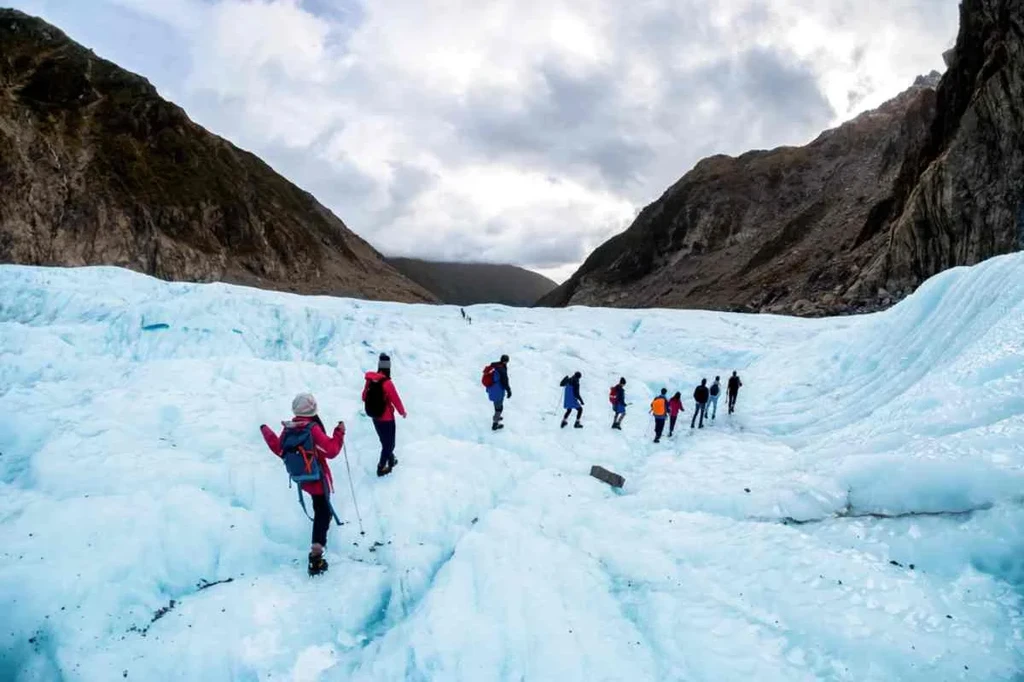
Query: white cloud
x=522, y=130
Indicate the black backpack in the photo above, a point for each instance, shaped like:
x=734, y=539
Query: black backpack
x=376, y=402
x=714, y=389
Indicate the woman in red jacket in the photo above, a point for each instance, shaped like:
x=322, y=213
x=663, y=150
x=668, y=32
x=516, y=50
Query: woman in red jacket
x=305, y=409
x=675, y=406
x=381, y=400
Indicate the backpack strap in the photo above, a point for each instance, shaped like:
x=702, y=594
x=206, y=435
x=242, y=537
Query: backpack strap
x=327, y=496
x=302, y=502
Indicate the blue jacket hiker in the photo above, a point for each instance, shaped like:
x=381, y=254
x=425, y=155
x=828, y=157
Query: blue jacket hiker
x=495, y=380
x=571, y=399
x=617, y=397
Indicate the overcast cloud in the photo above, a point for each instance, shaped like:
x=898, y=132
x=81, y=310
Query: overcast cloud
x=521, y=131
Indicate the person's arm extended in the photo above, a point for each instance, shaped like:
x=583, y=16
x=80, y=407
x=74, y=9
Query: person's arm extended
x=330, y=446
x=272, y=439
x=396, y=401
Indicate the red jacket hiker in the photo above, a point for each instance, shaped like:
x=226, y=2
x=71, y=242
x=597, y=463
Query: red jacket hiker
x=675, y=406
x=326, y=448
x=392, y=402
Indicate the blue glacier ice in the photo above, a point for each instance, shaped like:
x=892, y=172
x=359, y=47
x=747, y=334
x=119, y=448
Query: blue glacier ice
x=861, y=517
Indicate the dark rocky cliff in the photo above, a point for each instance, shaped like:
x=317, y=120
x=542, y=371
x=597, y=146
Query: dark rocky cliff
x=854, y=220
x=96, y=168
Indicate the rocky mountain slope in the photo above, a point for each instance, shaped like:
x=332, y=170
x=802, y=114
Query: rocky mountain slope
x=856, y=219
x=96, y=168
x=471, y=283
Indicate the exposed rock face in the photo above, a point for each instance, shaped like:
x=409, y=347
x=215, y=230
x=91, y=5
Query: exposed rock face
x=96, y=168
x=856, y=219
x=471, y=283
x=962, y=199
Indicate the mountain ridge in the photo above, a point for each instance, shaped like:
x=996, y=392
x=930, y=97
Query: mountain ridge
x=851, y=222
x=97, y=169
x=475, y=283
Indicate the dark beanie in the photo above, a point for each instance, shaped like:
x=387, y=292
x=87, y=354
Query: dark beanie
x=384, y=362
x=504, y=358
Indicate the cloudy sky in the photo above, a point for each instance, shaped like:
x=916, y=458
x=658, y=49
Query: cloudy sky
x=522, y=131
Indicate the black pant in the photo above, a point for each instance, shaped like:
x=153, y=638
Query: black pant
x=579, y=414
x=699, y=410
x=659, y=426
x=732, y=401
x=321, y=519
x=672, y=423
x=499, y=407
x=386, y=433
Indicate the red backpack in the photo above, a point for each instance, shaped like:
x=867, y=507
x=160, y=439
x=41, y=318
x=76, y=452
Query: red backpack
x=612, y=394
x=488, y=377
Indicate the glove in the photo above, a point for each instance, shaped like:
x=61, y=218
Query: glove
x=340, y=427
x=582, y=403
x=508, y=393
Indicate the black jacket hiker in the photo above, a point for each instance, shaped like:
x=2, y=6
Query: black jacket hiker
x=733, y=391
x=700, y=397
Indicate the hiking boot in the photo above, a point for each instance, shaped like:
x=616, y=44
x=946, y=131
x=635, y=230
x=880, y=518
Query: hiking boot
x=495, y=426
x=658, y=439
x=317, y=565
x=577, y=425
x=564, y=424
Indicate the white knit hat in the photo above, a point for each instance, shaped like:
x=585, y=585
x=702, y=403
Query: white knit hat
x=304, y=405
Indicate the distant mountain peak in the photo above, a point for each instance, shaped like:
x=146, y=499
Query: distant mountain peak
x=472, y=283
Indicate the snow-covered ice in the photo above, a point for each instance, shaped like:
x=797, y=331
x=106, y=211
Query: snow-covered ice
x=860, y=518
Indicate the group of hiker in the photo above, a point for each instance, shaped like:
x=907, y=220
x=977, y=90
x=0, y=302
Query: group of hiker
x=663, y=408
x=705, y=398
x=305, y=448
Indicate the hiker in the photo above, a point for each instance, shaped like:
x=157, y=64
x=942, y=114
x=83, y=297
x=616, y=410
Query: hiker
x=495, y=380
x=733, y=390
x=714, y=392
x=380, y=398
x=300, y=437
x=675, y=406
x=659, y=408
x=700, y=396
x=463, y=311
x=617, y=397
x=571, y=399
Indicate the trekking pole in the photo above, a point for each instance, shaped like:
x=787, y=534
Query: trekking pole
x=353, y=489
